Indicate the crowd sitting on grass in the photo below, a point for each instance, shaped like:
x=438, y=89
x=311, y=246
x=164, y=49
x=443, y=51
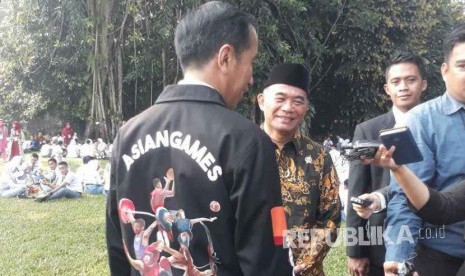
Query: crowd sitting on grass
x=13, y=142
x=26, y=179
x=56, y=148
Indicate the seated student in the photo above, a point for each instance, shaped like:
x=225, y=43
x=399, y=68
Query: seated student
x=57, y=150
x=32, y=145
x=65, y=186
x=92, y=181
x=108, y=151
x=101, y=148
x=64, y=149
x=81, y=170
x=106, y=178
x=32, y=168
x=88, y=149
x=46, y=149
x=41, y=138
x=13, y=182
x=50, y=175
x=73, y=149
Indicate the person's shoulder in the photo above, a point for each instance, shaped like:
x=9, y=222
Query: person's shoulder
x=429, y=107
x=240, y=121
x=376, y=121
x=70, y=174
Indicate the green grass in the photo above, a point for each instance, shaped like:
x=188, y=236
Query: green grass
x=67, y=237
x=335, y=263
x=64, y=237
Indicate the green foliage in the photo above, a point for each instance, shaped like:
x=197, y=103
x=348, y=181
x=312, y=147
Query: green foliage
x=48, y=58
x=43, y=46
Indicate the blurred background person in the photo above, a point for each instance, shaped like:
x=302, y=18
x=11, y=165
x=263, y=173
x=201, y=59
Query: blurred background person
x=92, y=179
x=15, y=140
x=67, y=133
x=3, y=140
x=13, y=181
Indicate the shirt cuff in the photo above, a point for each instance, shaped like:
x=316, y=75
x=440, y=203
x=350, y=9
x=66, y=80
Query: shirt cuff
x=399, y=252
x=382, y=201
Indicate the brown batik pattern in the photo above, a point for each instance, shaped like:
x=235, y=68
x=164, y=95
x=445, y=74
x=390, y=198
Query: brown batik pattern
x=309, y=187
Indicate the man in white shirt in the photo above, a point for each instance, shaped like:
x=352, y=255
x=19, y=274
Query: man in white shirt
x=65, y=185
x=50, y=176
x=32, y=168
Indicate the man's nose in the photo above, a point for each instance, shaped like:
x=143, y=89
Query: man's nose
x=403, y=85
x=287, y=106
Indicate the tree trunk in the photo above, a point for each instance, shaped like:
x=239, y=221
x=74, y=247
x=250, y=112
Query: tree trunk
x=106, y=109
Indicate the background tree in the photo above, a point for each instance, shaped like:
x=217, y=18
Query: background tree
x=105, y=61
x=43, y=50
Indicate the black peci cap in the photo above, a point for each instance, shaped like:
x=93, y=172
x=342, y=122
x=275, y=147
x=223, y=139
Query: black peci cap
x=293, y=74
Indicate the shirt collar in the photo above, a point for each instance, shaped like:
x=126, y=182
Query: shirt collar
x=293, y=142
x=195, y=82
x=451, y=105
x=190, y=92
x=399, y=116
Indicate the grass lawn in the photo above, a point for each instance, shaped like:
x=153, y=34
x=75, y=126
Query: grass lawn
x=64, y=237
x=67, y=237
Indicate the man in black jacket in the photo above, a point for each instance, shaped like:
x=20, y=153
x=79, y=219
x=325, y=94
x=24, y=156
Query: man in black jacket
x=405, y=82
x=207, y=161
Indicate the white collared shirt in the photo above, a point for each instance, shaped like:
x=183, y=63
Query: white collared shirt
x=399, y=116
x=194, y=81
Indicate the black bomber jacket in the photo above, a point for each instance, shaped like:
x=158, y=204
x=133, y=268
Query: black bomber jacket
x=204, y=180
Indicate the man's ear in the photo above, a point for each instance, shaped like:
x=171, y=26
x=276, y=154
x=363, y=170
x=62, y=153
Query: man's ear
x=444, y=69
x=260, y=100
x=386, y=89
x=225, y=57
x=424, y=85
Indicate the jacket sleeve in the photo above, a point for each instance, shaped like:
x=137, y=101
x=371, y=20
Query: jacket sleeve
x=445, y=207
x=385, y=192
x=255, y=191
x=358, y=183
x=119, y=264
x=328, y=220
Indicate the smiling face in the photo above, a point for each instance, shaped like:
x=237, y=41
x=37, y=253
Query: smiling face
x=405, y=85
x=284, y=107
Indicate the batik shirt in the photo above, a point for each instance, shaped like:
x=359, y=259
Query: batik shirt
x=309, y=187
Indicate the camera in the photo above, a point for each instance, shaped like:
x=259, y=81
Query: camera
x=360, y=148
